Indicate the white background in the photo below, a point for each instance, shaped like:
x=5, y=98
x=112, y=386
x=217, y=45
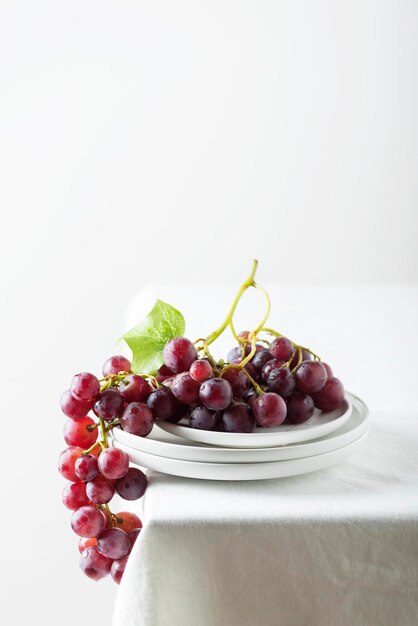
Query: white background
x=166, y=142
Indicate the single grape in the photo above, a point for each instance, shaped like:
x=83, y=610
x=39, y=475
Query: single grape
x=113, y=463
x=238, y=418
x=185, y=389
x=132, y=485
x=306, y=356
x=76, y=433
x=66, y=462
x=116, y=364
x=95, y=565
x=87, y=521
x=203, y=419
x=85, y=387
x=114, y=543
x=100, y=490
x=269, y=367
x=133, y=535
x=216, y=394
x=161, y=402
x=260, y=358
x=134, y=388
x=118, y=568
x=310, y=376
x=238, y=380
x=179, y=353
x=300, y=407
x=201, y=370
x=86, y=467
x=281, y=381
x=86, y=542
x=128, y=521
x=137, y=419
x=74, y=496
x=236, y=354
x=269, y=410
x=163, y=373
x=74, y=408
x=108, y=404
x=282, y=348
x=328, y=369
x=331, y=395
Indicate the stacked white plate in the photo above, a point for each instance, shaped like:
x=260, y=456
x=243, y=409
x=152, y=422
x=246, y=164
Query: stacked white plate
x=288, y=450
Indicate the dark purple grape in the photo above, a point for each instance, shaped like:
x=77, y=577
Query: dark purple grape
x=203, y=419
x=93, y=564
x=238, y=418
x=85, y=387
x=134, y=388
x=86, y=467
x=306, y=356
x=269, y=367
x=216, y=394
x=328, y=369
x=116, y=364
x=310, y=376
x=179, y=353
x=201, y=370
x=300, y=407
x=249, y=367
x=185, y=389
x=282, y=348
x=281, y=381
x=133, y=485
x=161, y=402
x=331, y=395
x=100, y=490
x=137, y=419
x=269, y=410
x=260, y=359
x=238, y=380
x=114, y=543
x=109, y=405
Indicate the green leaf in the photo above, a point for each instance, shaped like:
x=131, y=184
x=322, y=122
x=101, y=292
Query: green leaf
x=148, y=338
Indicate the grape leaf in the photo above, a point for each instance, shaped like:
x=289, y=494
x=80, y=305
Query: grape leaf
x=148, y=338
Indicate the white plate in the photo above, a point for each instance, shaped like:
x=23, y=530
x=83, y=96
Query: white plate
x=242, y=471
x=319, y=425
x=162, y=443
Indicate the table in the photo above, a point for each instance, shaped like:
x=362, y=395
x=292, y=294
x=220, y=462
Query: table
x=334, y=548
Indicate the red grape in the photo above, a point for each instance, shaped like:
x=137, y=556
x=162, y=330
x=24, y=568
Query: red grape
x=118, y=568
x=185, y=389
x=95, y=565
x=238, y=380
x=260, y=359
x=86, y=542
x=300, y=407
x=66, y=462
x=238, y=418
x=116, y=364
x=331, y=395
x=179, y=353
x=113, y=463
x=85, y=387
x=137, y=419
x=310, y=376
x=88, y=521
x=134, y=388
x=76, y=433
x=133, y=535
x=203, y=419
x=282, y=348
x=114, y=543
x=201, y=370
x=269, y=367
x=216, y=394
x=108, y=404
x=328, y=369
x=306, y=356
x=74, y=496
x=281, y=381
x=132, y=485
x=269, y=410
x=129, y=521
x=163, y=373
x=74, y=408
x=86, y=467
x=100, y=490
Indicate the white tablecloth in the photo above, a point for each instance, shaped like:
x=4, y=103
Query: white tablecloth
x=334, y=548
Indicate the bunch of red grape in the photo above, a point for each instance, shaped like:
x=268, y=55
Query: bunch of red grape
x=97, y=471
x=281, y=381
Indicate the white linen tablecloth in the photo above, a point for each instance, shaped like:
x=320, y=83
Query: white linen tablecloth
x=337, y=547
